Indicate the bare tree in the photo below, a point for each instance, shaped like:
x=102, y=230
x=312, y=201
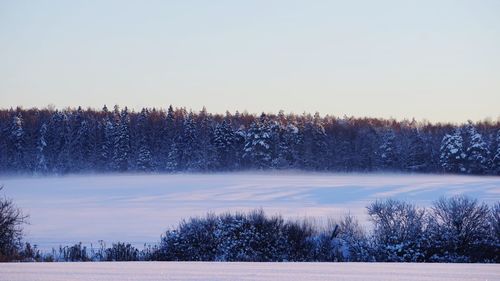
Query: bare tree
x=459, y=228
x=11, y=220
x=495, y=221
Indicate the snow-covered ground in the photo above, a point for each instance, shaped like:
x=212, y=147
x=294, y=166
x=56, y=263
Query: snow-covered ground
x=153, y=271
x=139, y=208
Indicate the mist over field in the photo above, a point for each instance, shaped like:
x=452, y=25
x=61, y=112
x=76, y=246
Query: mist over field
x=138, y=208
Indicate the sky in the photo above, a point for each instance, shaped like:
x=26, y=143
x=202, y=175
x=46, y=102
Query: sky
x=433, y=60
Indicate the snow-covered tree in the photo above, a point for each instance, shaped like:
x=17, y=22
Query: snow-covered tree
x=121, y=152
x=453, y=156
x=289, y=142
x=63, y=141
x=187, y=148
x=365, y=146
x=81, y=142
x=398, y=233
x=495, y=165
x=224, y=141
x=257, y=144
x=458, y=229
x=314, y=147
x=173, y=158
x=144, y=158
x=108, y=143
x=477, y=152
x=17, y=136
x=354, y=239
x=41, y=163
x=204, y=135
x=388, y=154
x=167, y=138
x=416, y=158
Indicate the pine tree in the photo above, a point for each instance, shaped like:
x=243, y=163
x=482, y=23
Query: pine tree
x=275, y=131
x=41, y=163
x=366, y=147
x=416, y=159
x=17, y=137
x=80, y=143
x=223, y=141
x=175, y=127
x=64, y=161
x=5, y=164
x=314, y=146
x=107, y=147
x=239, y=147
x=477, y=152
x=173, y=158
x=257, y=144
x=452, y=156
x=144, y=158
x=204, y=136
x=495, y=165
x=186, y=150
x=289, y=141
x=122, y=142
x=388, y=154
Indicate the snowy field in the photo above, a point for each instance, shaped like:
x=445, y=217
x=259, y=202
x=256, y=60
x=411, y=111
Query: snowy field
x=139, y=208
x=154, y=271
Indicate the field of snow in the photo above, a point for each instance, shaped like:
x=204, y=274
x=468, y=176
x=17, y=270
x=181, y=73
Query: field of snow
x=153, y=271
x=139, y=208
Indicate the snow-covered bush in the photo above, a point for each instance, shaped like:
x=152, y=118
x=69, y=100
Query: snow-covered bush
x=122, y=252
x=300, y=242
x=398, y=234
x=227, y=237
x=459, y=228
x=354, y=240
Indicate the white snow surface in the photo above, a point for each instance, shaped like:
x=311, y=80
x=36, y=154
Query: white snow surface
x=154, y=271
x=139, y=208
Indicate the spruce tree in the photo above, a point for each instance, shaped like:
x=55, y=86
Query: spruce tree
x=289, y=142
x=107, y=146
x=204, y=136
x=122, y=142
x=224, y=141
x=17, y=137
x=189, y=147
x=495, y=165
x=477, y=152
x=144, y=158
x=41, y=163
x=452, y=156
x=416, y=158
x=388, y=154
x=314, y=146
x=257, y=144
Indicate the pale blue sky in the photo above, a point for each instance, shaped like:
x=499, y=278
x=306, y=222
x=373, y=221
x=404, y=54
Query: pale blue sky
x=438, y=60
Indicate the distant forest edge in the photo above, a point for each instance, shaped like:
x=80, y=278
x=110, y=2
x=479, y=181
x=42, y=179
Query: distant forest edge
x=48, y=141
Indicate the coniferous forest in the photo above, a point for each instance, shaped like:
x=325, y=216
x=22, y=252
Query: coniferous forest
x=49, y=141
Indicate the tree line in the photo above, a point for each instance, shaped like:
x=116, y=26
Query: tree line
x=49, y=141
